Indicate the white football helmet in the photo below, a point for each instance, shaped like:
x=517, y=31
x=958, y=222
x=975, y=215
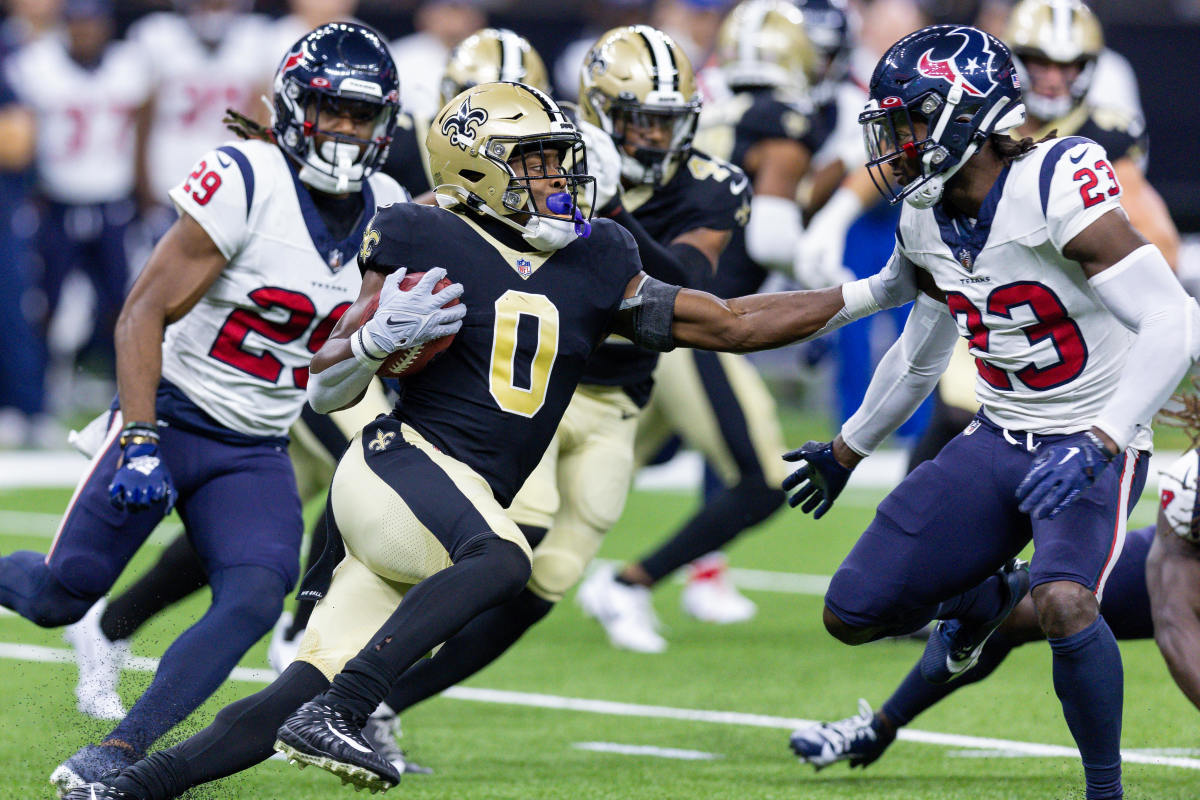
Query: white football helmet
x=1177, y=496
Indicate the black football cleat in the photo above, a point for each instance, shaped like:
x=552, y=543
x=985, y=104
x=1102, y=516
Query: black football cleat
x=322, y=736
x=98, y=791
x=90, y=763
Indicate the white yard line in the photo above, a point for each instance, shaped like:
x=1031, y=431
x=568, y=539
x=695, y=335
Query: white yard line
x=25, y=652
x=646, y=750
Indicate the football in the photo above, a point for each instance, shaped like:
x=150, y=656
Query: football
x=409, y=360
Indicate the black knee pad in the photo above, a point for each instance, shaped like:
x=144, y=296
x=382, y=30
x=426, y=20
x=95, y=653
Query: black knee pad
x=508, y=567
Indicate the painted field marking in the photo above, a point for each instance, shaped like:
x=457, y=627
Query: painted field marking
x=27, y=652
x=646, y=750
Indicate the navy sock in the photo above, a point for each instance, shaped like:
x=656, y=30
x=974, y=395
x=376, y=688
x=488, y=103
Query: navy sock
x=1089, y=681
x=976, y=605
x=479, y=643
x=246, y=602
x=915, y=694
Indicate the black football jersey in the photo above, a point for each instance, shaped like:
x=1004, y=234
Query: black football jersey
x=730, y=129
x=704, y=192
x=494, y=398
x=1121, y=134
x=407, y=162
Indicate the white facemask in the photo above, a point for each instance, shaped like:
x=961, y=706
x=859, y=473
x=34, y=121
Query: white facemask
x=546, y=233
x=347, y=176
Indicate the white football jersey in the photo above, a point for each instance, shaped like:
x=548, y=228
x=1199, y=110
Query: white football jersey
x=194, y=84
x=242, y=353
x=85, y=117
x=1048, y=352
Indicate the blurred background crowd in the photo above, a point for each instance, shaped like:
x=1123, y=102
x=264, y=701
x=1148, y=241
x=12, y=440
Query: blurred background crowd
x=105, y=104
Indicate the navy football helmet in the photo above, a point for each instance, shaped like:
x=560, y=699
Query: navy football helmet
x=935, y=98
x=341, y=68
x=827, y=23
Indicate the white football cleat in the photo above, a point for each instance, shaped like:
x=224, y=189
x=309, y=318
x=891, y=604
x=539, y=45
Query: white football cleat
x=282, y=651
x=100, y=662
x=625, y=612
x=709, y=596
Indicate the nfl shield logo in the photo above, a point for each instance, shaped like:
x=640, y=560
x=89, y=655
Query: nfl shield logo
x=524, y=267
x=335, y=260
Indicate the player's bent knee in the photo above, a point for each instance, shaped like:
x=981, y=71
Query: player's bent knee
x=251, y=595
x=1064, y=608
x=509, y=567
x=554, y=572
x=842, y=631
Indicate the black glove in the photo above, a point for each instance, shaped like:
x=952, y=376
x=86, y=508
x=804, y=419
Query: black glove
x=821, y=478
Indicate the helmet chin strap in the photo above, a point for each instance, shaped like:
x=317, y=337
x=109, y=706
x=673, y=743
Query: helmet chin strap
x=930, y=192
x=542, y=233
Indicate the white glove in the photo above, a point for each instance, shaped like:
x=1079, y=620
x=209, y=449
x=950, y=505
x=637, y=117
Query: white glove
x=603, y=163
x=412, y=317
x=819, y=256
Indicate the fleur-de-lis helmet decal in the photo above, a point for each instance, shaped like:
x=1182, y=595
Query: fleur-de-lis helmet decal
x=463, y=126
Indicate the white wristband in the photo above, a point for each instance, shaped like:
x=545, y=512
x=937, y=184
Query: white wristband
x=358, y=348
x=859, y=300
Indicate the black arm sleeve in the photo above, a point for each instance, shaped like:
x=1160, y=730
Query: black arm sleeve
x=680, y=264
x=653, y=310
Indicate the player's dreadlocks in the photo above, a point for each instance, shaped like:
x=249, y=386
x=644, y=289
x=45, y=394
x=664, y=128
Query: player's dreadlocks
x=1183, y=411
x=1010, y=149
x=246, y=128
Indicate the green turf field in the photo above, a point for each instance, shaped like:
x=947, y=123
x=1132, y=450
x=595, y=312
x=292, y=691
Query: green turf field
x=782, y=665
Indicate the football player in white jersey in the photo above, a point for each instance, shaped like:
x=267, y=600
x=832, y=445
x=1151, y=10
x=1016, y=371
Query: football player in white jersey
x=246, y=285
x=86, y=90
x=1080, y=332
x=203, y=58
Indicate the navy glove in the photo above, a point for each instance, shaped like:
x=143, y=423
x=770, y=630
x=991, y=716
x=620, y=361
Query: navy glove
x=1060, y=472
x=142, y=479
x=821, y=478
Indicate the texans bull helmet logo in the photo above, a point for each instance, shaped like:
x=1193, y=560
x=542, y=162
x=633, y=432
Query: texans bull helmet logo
x=954, y=68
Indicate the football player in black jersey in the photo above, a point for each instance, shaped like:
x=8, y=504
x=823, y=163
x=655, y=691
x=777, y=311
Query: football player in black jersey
x=419, y=497
x=684, y=207
x=1055, y=46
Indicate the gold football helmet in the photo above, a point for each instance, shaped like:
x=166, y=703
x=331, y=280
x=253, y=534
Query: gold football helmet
x=637, y=86
x=1061, y=31
x=764, y=43
x=489, y=55
x=475, y=140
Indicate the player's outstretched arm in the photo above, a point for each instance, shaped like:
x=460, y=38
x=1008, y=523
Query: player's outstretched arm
x=906, y=375
x=342, y=368
x=1173, y=580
